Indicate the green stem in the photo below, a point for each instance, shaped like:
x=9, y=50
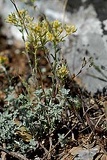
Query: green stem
x=54, y=83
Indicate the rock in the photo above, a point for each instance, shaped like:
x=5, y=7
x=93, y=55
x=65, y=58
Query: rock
x=81, y=154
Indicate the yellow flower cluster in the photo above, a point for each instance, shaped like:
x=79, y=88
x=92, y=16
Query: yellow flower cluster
x=20, y=18
x=56, y=24
x=11, y=18
x=49, y=36
x=70, y=29
x=3, y=59
x=62, y=72
x=22, y=12
x=45, y=31
x=42, y=32
x=37, y=28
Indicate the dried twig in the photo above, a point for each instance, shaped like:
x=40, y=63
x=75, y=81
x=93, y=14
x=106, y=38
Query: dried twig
x=46, y=155
x=14, y=154
x=3, y=154
x=105, y=108
x=94, y=128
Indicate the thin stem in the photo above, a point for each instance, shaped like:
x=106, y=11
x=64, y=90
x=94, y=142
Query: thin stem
x=19, y=15
x=64, y=9
x=54, y=71
x=27, y=55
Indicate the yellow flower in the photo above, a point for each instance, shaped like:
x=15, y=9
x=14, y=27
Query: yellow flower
x=70, y=29
x=62, y=72
x=49, y=36
x=11, y=18
x=60, y=30
x=22, y=12
x=3, y=59
x=27, y=45
x=56, y=24
x=45, y=25
x=73, y=29
x=37, y=28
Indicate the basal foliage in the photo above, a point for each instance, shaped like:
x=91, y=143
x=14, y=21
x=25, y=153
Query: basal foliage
x=26, y=121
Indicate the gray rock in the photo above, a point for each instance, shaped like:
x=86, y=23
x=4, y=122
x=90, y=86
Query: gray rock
x=86, y=154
